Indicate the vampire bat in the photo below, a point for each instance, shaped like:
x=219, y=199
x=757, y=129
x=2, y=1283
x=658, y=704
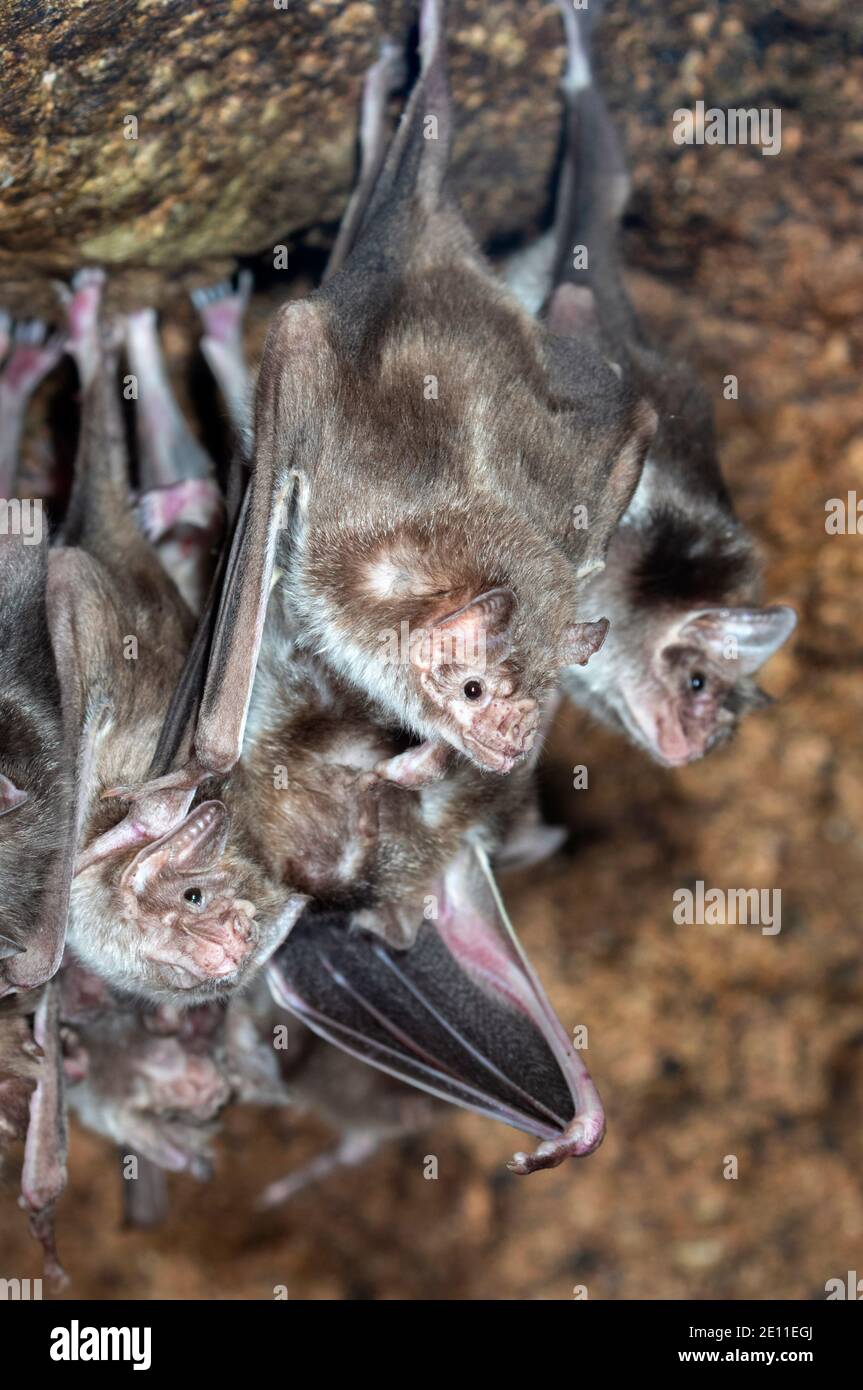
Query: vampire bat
x=155, y=1088
x=681, y=584
x=308, y=802
x=34, y=353
x=180, y=507
x=401, y=415
x=221, y=308
x=162, y=906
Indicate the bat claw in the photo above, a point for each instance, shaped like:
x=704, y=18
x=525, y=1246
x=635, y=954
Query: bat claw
x=584, y=1134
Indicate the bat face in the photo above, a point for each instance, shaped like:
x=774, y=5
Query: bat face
x=466, y=678
x=677, y=670
x=157, y=1094
x=177, y=921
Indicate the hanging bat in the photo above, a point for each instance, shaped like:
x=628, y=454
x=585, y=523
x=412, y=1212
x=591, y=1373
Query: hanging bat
x=221, y=308
x=180, y=507
x=36, y=770
x=401, y=414
x=163, y=906
x=155, y=1091
x=681, y=585
x=307, y=802
x=34, y=353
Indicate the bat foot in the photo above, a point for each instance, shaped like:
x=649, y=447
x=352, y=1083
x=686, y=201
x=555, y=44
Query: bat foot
x=221, y=306
x=584, y=1134
x=35, y=352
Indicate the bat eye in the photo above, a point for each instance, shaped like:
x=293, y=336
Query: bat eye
x=194, y=896
x=472, y=690
x=697, y=681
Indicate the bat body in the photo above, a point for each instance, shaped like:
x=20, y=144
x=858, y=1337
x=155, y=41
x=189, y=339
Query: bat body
x=681, y=585
x=401, y=415
x=180, y=508
x=33, y=353
x=154, y=1084
x=36, y=769
x=308, y=803
x=161, y=904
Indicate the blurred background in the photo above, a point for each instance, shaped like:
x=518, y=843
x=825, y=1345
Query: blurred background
x=705, y=1042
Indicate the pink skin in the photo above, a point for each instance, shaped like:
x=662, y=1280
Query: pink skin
x=222, y=310
x=180, y=509
x=83, y=305
x=508, y=973
x=5, y=333
x=10, y=796
x=32, y=357
x=169, y=451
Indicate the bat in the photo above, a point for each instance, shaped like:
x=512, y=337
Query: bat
x=681, y=586
x=162, y=904
x=221, y=308
x=308, y=803
x=37, y=805
x=180, y=507
x=34, y=353
x=154, y=1093
x=401, y=412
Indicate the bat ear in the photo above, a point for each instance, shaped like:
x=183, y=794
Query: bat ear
x=10, y=796
x=613, y=490
x=582, y=640
x=193, y=847
x=471, y=635
x=746, y=635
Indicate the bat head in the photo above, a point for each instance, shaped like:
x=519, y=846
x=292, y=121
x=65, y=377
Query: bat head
x=187, y=909
x=678, y=683
x=156, y=1094
x=700, y=679
x=466, y=674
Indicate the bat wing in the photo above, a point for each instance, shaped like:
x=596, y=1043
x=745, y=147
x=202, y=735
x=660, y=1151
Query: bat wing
x=460, y=1014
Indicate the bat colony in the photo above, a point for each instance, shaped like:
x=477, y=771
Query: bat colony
x=261, y=747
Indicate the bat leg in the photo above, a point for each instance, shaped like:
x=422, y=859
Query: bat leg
x=169, y=451
x=145, y=1201
x=354, y=1149
x=44, y=1175
x=83, y=304
x=416, y=767
x=34, y=353
x=222, y=308
x=383, y=79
